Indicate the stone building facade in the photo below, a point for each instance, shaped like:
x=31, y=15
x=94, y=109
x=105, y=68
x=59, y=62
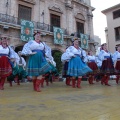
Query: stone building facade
x=112, y=31
x=73, y=16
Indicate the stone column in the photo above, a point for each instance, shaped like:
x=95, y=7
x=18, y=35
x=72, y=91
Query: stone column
x=69, y=16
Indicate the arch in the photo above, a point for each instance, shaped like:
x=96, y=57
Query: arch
x=80, y=16
x=57, y=58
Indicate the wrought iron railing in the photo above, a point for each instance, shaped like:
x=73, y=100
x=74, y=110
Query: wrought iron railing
x=77, y=34
x=16, y=21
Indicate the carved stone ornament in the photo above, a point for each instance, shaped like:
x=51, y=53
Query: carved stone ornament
x=56, y=8
x=80, y=16
x=29, y=1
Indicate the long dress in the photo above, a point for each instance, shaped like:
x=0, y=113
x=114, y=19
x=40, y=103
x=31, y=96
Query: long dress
x=5, y=64
x=77, y=66
x=37, y=64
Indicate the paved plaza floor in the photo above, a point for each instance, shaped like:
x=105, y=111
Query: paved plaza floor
x=60, y=102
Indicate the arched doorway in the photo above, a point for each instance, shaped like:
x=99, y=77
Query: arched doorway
x=57, y=58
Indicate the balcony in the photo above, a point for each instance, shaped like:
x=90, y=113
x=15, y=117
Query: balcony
x=76, y=34
x=14, y=21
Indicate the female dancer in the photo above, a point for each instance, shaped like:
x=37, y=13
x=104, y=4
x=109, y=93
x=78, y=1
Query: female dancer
x=91, y=61
x=37, y=64
x=107, y=67
x=76, y=66
x=5, y=65
x=65, y=60
x=116, y=59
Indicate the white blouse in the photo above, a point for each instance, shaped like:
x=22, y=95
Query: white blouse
x=72, y=52
x=91, y=58
x=33, y=45
x=8, y=51
x=116, y=56
x=103, y=55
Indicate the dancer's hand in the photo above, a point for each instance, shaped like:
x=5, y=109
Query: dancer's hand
x=33, y=53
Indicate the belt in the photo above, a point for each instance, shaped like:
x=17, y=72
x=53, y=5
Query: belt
x=92, y=60
x=106, y=56
x=77, y=55
x=37, y=50
x=3, y=54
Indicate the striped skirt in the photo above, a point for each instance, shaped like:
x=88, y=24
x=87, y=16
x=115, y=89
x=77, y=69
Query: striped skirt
x=77, y=67
x=5, y=66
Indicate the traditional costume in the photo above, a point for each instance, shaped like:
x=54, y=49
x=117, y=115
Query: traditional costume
x=107, y=67
x=91, y=61
x=76, y=66
x=37, y=63
x=6, y=53
x=116, y=59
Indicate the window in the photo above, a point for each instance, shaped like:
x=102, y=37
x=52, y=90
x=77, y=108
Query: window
x=80, y=28
x=117, y=33
x=24, y=13
x=55, y=21
x=116, y=14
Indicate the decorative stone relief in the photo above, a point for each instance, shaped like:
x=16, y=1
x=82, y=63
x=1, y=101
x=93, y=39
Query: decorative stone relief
x=29, y=1
x=80, y=16
x=56, y=8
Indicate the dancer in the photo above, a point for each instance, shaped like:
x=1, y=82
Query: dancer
x=116, y=59
x=6, y=53
x=22, y=68
x=91, y=61
x=76, y=67
x=37, y=64
x=65, y=60
x=107, y=67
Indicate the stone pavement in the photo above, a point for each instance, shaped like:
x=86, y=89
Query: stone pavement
x=60, y=102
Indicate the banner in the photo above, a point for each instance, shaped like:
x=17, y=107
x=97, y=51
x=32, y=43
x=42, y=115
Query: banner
x=27, y=30
x=84, y=41
x=58, y=35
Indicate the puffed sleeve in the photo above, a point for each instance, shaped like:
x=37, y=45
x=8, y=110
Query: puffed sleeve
x=66, y=56
x=26, y=49
x=100, y=55
x=13, y=54
x=23, y=62
x=84, y=56
x=114, y=56
x=47, y=50
x=69, y=52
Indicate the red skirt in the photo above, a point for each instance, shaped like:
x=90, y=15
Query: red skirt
x=5, y=67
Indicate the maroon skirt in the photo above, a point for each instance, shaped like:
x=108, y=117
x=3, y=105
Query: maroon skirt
x=94, y=67
x=107, y=67
x=5, y=67
x=117, y=66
